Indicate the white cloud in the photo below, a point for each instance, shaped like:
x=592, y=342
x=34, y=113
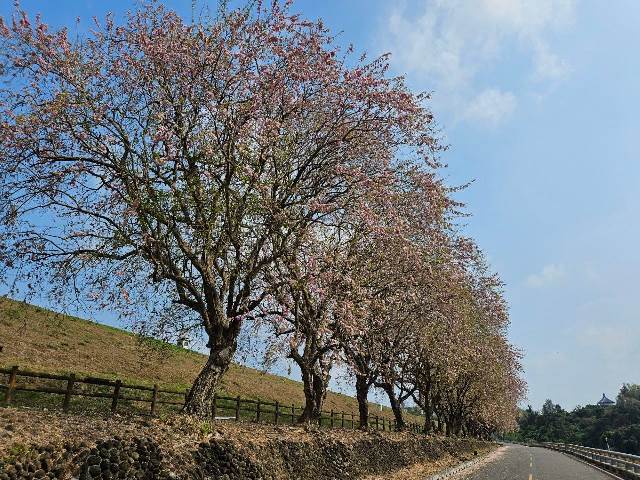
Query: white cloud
x=548, y=66
x=491, y=106
x=592, y=273
x=548, y=275
x=614, y=341
x=451, y=43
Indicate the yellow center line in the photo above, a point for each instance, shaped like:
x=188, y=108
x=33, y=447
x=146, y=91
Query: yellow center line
x=531, y=466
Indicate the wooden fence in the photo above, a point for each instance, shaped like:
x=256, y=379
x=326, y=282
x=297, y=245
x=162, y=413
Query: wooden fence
x=223, y=407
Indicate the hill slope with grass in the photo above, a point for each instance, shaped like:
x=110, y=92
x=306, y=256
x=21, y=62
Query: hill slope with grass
x=38, y=339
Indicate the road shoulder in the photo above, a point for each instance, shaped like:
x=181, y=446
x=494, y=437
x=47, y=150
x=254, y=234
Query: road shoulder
x=444, y=467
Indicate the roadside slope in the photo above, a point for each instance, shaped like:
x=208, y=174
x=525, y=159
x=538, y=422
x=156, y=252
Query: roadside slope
x=39, y=339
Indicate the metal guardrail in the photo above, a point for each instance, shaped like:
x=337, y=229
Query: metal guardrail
x=622, y=463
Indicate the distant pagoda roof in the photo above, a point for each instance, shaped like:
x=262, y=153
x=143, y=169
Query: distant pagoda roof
x=605, y=401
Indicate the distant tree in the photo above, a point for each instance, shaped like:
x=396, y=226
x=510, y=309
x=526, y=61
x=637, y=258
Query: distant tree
x=548, y=408
x=629, y=395
x=616, y=427
x=170, y=163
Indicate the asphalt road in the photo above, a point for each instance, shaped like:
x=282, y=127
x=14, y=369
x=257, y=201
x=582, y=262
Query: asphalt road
x=532, y=463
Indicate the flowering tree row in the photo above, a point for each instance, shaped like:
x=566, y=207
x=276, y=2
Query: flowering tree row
x=393, y=293
x=245, y=170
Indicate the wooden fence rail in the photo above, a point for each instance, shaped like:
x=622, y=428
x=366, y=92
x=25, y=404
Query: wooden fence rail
x=233, y=407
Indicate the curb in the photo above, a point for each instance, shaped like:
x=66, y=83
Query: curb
x=454, y=470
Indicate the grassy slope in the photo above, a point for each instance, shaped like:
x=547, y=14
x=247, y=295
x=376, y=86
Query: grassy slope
x=42, y=340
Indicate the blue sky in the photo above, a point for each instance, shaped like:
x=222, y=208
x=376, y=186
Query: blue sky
x=539, y=100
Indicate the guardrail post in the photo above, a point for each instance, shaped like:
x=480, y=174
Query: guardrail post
x=154, y=398
x=11, y=386
x=214, y=406
x=238, y=408
x=68, y=393
x=277, y=414
x=116, y=394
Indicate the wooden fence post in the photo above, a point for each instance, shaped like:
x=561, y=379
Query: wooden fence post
x=116, y=394
x=258, y=412
x=342, y=419
x=353, y=425
x=154, y=398
x=293, y=413
x=68, y=393
x=238, y=408
x=11, y=387
x=383, y=423
x=377, y=425
x=214, y=406
x=277, y=414
x=332, y=418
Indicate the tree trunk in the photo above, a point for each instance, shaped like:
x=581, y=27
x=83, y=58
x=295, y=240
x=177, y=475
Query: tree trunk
x=200, y=398
x=424, y=402
x=362, y=392
x=441, y=423
x=428, y=413
x=315, y=391
x=395, y=405
x=457, y=423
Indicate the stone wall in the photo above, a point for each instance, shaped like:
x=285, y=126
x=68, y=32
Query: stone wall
x=318, y=455
x=138, y=458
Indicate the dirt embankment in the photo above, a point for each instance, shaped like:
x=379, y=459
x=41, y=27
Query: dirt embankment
x=52, y=445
